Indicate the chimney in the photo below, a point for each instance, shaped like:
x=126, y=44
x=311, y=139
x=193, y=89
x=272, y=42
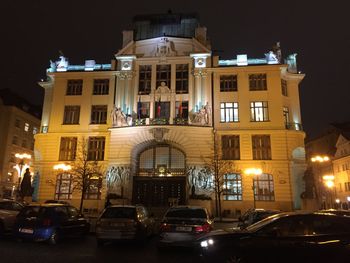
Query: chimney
x=128, y=36
x=201, y=35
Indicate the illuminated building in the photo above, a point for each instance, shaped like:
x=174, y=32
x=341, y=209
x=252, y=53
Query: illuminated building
x=19, y=121
x=150, y=116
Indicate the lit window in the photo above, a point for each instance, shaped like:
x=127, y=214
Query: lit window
x=229, y=112
x=232, y=188
x=259, y=111
x=64, y=187
x=35, y=130
x=26, y=127
x=94, y=186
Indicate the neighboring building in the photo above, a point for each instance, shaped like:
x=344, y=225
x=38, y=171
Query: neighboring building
x=19, y=122
x=154, y=116
x=335, y=146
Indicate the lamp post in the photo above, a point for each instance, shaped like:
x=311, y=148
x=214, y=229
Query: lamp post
x=318, y=169
x=21, y=166
x=253, y=172
x=328, y=181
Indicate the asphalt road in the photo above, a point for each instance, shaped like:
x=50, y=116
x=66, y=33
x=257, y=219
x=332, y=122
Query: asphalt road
x=85, y=250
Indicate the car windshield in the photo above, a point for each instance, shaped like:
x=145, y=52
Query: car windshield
x=119, y=212
x=260, y=224
x=32, y=211
x=186, y=213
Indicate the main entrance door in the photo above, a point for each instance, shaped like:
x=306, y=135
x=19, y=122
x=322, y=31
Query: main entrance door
x=159, y=191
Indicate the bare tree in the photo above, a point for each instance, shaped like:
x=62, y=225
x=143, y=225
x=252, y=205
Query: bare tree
x=217, y=168
x=86, y=173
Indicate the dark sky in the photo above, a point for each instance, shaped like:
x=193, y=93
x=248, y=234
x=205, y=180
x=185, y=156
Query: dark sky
x=32, y=33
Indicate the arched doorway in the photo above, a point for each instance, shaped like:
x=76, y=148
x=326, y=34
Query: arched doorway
x=160, y=176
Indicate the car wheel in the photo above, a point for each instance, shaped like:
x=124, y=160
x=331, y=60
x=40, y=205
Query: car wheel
x=53, y=239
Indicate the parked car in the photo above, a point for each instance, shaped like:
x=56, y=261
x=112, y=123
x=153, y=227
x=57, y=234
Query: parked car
x=124, y=222
x=335, y=212
x=252, y=216
x=284, y=237
x=50, y=222
x=8, y=212
x=56, y=202
x=182, y=225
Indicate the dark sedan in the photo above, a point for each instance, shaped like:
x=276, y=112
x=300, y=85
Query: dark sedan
x=285, y=237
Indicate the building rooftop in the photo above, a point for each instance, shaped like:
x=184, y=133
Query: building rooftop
x=9, y=98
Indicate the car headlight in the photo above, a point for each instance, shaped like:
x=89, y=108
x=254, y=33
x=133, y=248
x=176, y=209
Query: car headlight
x=207, y=242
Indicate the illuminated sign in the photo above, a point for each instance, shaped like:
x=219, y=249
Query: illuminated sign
x=89, y=65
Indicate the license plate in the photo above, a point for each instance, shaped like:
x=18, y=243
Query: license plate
x=184, y=228
x=26, y=230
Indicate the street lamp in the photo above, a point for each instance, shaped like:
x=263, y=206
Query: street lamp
x=254, y=172
x=320, y=159
x=21, y=166
x=328, y=181
x=62, y=166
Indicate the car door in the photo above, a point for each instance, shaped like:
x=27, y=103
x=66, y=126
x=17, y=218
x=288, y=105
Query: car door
x=78, y=222
x=64, y=223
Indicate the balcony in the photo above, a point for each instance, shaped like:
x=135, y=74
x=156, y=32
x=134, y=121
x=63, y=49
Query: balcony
x=294, y=126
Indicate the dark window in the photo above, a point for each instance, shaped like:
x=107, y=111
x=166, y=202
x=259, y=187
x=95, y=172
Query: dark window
x=74, y=87
x=182, y=78
x=228, y=83
x=143, y=110
x=145, y=75
x=18, y=123
x=71, y=114
x=101, y=87
x=181, y=109
x=94, y=186
x=64, y=187
x=284, y=87
x=230, y=147
x=257, y=82
x=68, y=148
x=261, y=147
x=163, y=75
x=263, y=187
x=98, y=114
x=232, y=189
x=259, y=111
x=14, y=140
x=162, y=110
x=96, y=148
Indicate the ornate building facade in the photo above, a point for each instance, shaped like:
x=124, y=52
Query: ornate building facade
x=163, y=110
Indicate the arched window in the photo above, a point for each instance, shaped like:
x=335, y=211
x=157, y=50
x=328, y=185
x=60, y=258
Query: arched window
x=161, y=160
x=263, y=187
x=232, y=188
x=64, y=187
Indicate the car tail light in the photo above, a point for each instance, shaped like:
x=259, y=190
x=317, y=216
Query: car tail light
x=203, y=229
x=164, y=227
x=47, y=222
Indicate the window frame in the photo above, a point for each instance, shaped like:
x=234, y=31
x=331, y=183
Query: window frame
x=58, y=187
x=236, y=183
x=257, y=82
x=259, y=113
x=230, y=147
x=145, y=79
x=229, y=113
x=68, y=148
x=260, y=183
x=261, y=147
x=100, y=87
x=71, y=114
x=74, y=87
x=96, y=148
x=98, y=114
x=182, y=78
x=228, y=83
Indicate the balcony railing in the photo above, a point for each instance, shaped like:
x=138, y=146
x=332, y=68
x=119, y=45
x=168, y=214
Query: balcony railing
x=294, y=126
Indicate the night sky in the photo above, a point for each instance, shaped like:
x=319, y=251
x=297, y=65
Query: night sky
x=33, y=32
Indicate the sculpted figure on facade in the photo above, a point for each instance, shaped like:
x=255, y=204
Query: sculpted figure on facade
x=165, y=47
x=119, y=118
x=163, y=88
x=200, y=117
x=207, y=109
x=117, y=179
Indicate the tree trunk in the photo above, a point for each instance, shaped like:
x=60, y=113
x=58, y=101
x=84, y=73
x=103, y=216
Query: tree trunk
x=81, y=201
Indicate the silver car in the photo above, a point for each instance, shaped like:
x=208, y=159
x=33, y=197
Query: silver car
x=118, y=222
x=8, y=212
x=182, y=225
